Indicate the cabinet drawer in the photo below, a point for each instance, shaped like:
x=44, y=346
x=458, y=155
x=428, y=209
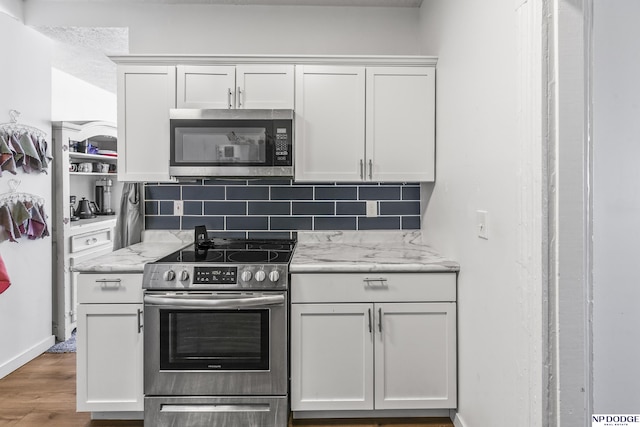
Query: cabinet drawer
x=109, y=288
x=373, y=287
x=85, y=241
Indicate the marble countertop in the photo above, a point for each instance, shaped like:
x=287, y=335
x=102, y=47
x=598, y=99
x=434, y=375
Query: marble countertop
x=155, y=245
x=366, y=251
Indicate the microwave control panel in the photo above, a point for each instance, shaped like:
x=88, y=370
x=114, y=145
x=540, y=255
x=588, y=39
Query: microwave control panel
x=282, y=145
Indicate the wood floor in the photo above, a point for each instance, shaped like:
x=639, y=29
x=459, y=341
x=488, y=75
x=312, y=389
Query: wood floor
x=43, y=393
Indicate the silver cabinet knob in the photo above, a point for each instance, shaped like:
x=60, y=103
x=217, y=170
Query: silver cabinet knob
x=260, y=275
x=274, y=276
x=169, y=275
x=246, y=276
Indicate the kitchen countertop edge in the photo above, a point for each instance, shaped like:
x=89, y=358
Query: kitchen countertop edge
x=366, y=252
x=133, y=258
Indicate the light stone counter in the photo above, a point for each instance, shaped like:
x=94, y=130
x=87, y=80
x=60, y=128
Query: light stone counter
x=366, y=251
x=155, y=245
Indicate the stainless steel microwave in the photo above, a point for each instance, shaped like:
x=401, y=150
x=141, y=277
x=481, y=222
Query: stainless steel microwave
x=231, y=143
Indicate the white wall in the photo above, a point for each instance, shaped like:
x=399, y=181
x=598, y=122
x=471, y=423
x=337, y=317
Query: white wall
x=25, y=308
x=616, y=206
x=11, y=8
x=480, y=161
x=230, y=29
x=76, y=100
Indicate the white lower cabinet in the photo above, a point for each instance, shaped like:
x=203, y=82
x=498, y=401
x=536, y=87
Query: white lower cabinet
x=332, y=357
x=110, y=343
x=415, y=355
x=375, y=355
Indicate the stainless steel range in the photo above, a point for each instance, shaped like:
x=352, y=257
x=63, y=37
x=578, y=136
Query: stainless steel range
x=215, y=344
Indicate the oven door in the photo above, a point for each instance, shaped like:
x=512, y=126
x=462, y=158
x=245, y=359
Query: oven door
x=215, y=343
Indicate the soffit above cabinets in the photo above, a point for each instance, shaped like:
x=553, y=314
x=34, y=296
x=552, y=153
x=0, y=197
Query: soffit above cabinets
x=351, y=3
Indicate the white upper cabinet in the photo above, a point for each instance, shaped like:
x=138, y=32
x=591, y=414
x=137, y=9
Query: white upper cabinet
x=201, y=86
x=332, y=142
x=264, y=86
x=329, y=123
x=360, y=119
x=240, y=87
x=400, y=135
x=145, y=95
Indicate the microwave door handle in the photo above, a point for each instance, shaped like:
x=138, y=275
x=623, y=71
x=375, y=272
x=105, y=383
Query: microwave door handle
x=181, y=301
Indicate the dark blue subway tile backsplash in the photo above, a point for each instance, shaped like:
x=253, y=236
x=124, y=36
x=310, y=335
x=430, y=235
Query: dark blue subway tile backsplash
x=277, y=208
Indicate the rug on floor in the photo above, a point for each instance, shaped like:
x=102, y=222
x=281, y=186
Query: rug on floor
x=68, y=346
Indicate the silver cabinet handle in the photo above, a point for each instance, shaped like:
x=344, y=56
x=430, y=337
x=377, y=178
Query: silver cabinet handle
x=380, y=320
x=379, y=282
x=370, y=169
x=140, y=325
x=369, y=320
x=229, y=98
x=109, y=284
x=361, y=169
x=91, y=241
x=239, y=97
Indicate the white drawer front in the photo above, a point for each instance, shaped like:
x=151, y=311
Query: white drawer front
x=109, y=288
x=373, y=287
x=83, y=242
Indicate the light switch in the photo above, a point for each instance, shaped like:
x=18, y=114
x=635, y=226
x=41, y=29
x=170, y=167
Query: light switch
x=482, y=224
x=178, y=207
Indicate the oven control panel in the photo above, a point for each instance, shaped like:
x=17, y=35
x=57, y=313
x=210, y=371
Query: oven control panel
x=182, y=276
x=215, y=275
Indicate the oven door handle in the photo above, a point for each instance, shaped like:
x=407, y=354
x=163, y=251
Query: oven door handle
x=199, y=302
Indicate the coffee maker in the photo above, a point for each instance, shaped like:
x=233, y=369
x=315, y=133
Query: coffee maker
x=103, y=196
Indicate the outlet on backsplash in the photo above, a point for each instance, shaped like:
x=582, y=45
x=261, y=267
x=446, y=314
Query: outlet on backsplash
x=372, y=208
x=178, y=207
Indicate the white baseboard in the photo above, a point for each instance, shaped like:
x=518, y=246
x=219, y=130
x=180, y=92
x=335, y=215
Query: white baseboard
x=458, y=422
x=27, y=356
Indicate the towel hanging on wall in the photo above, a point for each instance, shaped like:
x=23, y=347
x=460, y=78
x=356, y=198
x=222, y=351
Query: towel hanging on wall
x=22, y=214
x=22, y=146
x=5, y=282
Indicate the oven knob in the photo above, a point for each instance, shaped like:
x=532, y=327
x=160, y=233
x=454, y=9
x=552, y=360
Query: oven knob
x=169, y=275
x=246, y=276
x=184, y=275
x=260, y=275
x=274, y=276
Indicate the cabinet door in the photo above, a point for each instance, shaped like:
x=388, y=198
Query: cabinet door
x=331, y=357
x=109, y=359
x=400, y=124
x=145, y=95
x=202, y=86
x=264, y=86
x=329, y=135
x=415, y=355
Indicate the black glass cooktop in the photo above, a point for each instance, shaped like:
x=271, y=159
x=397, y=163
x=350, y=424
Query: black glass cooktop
x=234, y=251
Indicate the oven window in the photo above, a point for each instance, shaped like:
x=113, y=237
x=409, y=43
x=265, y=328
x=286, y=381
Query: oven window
x=214, y=340
x=213, y=145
